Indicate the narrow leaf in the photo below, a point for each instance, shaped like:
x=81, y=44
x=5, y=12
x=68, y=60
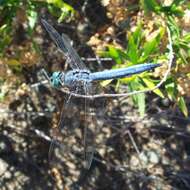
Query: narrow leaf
x=182, y=105
x=170, y=89
x=105, y=83
x=114, y=53
x=132, y=50
x=151, y=85
x=151, y=5
x=141, y=103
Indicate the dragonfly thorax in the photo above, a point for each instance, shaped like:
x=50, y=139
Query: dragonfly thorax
x=77, y=78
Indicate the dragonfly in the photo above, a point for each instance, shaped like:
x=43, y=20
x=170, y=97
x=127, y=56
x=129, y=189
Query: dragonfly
x=81, y=80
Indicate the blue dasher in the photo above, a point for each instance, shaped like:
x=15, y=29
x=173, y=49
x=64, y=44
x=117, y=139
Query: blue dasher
x=81, y=81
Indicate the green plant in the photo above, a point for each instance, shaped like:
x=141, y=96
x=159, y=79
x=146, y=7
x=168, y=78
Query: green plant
x=181, y=43
x=175, y=8
x=177, y=85
x=21, y=15
x=27, y=12
x=138, y=51
x=60, y=9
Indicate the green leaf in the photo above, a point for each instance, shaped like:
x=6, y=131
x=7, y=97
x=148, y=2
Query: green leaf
x=133, y=85
x=140, y=98
x=66, y=10
x=128, y=79
x=177, y=10
x=117, y=85
x=171, y=89
x=5, y=36
x=2, y=96
x=105, y=83
x=137, y=35
x=183, y=55
x=132, y=50
x=149, y=47
x=3, y=28
x=150, y=5
x=115, y=54
x=151, y=85
x=14, y=65
x=184, y=44
x=32, y=18
x=177, y=2
x=182, y=106
x=186, y=38
x=174, y=28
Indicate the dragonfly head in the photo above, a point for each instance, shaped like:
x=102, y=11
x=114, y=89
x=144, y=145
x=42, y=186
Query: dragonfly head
x=55, y=79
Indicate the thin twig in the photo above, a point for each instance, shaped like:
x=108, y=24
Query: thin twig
x=39, y=83
x=97, y=59
x=40, y=113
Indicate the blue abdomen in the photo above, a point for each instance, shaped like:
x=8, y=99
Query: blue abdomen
x=123, y=72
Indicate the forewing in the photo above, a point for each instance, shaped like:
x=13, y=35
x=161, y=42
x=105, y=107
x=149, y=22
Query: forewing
x=63, y=43
x=73, y=55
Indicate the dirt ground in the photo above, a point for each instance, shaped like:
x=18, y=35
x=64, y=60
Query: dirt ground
x=132, y=152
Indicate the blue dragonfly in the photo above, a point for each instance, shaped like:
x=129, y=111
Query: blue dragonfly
x=80, y=80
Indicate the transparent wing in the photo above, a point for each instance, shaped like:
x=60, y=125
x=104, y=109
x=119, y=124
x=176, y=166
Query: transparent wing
x=94, y=111
x=67, y=145
x=73, y=55
x=63, y=43
x=89, y=133
x=57, y=140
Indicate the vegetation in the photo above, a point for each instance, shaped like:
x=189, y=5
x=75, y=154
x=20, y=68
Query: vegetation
x=130, y=33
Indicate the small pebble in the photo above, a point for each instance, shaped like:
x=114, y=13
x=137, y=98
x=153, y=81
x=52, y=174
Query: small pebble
x=153, y=157
x=3, y=167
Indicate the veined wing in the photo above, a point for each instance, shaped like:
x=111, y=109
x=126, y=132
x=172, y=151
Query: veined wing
x=89, y=134
x=94, y=111
x=67, y=138
x=73, y=55
x=57, y=139
x=63, y=43
x=66, y=135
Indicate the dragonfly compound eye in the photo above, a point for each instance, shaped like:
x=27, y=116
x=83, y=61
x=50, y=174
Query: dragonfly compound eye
x=55, y=79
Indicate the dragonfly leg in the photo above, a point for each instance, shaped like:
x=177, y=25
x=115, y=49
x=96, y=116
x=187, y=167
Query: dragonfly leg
x=45, y=74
